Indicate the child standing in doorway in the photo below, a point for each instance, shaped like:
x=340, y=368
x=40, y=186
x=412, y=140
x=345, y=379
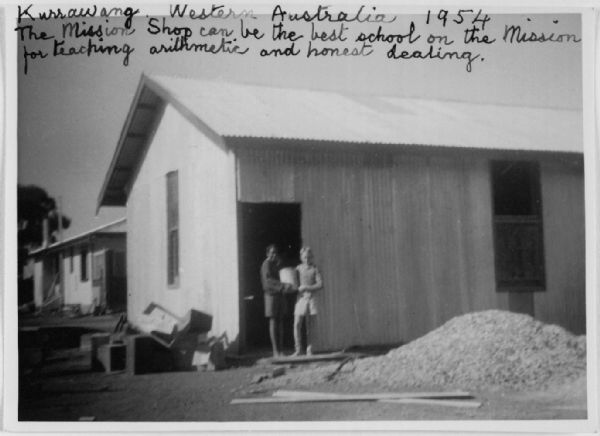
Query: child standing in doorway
x=310, y=281
x=275, y=307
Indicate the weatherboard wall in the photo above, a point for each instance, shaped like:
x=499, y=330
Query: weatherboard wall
x=43, y=280
x=76, y=290
x=207, y=227
x=83, y=292
x=73, y=289
x=404, y=240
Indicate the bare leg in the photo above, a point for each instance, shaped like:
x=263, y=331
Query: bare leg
x=279, y=335
x=298, y=334
x=273, y=335
x=309, y=342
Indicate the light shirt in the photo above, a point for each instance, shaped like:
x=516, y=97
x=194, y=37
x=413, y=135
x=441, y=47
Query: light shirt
x=309, y=276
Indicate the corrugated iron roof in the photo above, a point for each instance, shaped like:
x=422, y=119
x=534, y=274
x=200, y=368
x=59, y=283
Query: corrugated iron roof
x=118, y=226
x=228, y=110
x=235, y=110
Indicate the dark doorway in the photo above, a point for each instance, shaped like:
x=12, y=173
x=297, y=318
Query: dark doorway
x=261, y=224
x=109, y=282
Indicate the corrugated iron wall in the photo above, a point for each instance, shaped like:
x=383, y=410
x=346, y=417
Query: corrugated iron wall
x=404, y=240
x=564, y=241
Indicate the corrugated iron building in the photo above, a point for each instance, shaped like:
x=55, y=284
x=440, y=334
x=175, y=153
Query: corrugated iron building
x=417, y=210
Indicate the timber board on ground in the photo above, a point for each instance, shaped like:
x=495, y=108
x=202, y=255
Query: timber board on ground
x=312, y=358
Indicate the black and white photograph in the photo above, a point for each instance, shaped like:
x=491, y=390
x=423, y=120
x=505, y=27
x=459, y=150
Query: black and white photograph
x=305, y=216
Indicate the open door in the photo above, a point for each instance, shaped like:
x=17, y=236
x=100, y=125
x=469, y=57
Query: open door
x=99, y=279
x=109, y=282
x=116, y=281
x=261, y=224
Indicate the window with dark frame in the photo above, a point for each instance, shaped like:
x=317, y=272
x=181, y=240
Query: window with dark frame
x=97, y=269
x=518, y=229
x=84, y=265
x=71, y=255
x=173, y=229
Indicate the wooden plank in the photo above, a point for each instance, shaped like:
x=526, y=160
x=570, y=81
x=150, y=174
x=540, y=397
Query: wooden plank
x=283, y=400
x=326, y=397
x=371, y=396
x=313, y=358
x=433, y=402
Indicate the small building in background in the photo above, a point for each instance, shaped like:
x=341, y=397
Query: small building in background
x=87, y=271
x=417, y=210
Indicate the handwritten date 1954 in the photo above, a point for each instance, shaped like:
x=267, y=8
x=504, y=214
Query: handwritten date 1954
x=444, y=16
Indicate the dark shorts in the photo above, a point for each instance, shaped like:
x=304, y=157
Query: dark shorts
x=275, y=306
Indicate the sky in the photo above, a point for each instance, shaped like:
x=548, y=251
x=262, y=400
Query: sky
x=71, y=109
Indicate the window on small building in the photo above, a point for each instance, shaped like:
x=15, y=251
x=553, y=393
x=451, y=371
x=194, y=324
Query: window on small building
x=518, y=230
x=84, y=265
x=172, y=229
x=71, y=255
x=97, y=267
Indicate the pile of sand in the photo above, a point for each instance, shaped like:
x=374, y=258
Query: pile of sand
x=490, y=349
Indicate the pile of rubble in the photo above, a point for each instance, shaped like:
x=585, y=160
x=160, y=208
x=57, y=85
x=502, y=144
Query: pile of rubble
x=481, y=350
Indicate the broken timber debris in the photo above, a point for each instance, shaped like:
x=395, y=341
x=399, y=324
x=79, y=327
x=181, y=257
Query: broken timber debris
x=258, y=378
x=332, y=375
x=158, y=319
x=277, y=372
x=184, y=339
x=169, y=329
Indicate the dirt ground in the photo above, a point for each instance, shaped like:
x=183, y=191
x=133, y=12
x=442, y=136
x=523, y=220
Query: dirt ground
x=64, y=389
